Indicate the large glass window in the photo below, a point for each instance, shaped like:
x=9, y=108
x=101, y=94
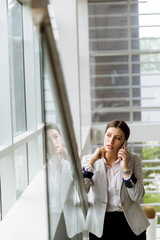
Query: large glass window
x=124, y=60
x=124, y=42
x=17, y=65
x=21, y=145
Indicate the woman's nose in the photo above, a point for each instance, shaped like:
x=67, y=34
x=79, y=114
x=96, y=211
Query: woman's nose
x=53, y=141
x=111, y=140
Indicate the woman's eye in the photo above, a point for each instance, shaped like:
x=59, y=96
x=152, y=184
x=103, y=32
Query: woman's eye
x=118, y=138
x=55, y=136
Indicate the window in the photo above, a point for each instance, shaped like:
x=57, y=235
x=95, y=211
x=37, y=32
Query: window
x=124, y=41
x=124, y=60
x=21, y=140
x=17, y=66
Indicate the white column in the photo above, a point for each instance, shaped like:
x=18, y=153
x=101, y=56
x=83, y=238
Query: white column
x=72, y=23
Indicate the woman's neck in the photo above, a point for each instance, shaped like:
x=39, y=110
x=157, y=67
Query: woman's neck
x=110, y=158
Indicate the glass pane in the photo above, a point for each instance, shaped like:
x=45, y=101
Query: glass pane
x=151, y=20
x=150, y=6
x=17, y=65
x=107, y=7
x=105, y=45
x=114, y=66
x=7, y=175
x=34, y=163
x=37, y=53
x=109, y=93
x=147, y=116
x=150, y=96
x=101, y=103
x=150, y=44
x=110, y=67
x=147, y=67
x=108, y=23
x=109, y=116
x=112, y=21
x=21, y=170
x=66, y=215
x=108, y=26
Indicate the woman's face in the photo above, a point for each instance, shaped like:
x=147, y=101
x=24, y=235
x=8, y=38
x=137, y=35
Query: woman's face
x=54, y=141
x=113, y=139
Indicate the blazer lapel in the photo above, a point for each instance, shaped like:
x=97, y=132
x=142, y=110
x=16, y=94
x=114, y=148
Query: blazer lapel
x=101, y=168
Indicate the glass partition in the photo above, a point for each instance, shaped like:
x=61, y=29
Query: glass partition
x=67, y=198
x=66, y=208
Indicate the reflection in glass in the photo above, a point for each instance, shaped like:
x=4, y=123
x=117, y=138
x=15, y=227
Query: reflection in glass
x=63, y=194
x=16, y=62
x=57, y=164
x=66, y=215
x=20, y=164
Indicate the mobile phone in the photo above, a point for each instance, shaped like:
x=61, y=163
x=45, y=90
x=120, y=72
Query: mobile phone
x=125, y=142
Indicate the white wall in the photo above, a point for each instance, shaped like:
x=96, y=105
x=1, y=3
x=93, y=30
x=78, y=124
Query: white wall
x=72, y=24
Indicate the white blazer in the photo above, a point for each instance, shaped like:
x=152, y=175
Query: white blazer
x=130, y=197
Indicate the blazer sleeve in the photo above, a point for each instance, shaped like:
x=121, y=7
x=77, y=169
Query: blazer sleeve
x=137, y=192
x=87, y=181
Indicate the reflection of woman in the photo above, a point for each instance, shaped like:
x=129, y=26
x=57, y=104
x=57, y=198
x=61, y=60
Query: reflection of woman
x=54, y=143
x=113, y=179
x=56, y=155
x=63, y=196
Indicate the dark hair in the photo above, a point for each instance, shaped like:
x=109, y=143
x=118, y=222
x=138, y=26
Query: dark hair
x=52, y=126
x=119, y=124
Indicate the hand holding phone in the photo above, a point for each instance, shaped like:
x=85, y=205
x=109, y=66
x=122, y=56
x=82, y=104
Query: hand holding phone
x=123, y=156
x=122, y=147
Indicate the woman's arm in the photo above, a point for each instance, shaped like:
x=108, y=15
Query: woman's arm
x=134, y=184
x=88, y=166
x=87, y=171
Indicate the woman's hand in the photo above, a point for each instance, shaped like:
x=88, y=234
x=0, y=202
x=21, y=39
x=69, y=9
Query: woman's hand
x=124, y=158
x=98, y=154
x=63, y=153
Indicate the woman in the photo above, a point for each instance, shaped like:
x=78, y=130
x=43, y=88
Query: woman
x=114, y=182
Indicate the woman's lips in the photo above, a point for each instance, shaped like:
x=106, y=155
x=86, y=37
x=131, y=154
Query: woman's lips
x=56, y=149
x=109, y=146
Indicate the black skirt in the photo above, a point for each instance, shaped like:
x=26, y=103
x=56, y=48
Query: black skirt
x=116, y=227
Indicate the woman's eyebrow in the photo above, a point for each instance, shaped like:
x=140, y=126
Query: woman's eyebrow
x=117, y=135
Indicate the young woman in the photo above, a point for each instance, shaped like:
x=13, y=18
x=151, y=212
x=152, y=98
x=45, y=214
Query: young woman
x=114, y=182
